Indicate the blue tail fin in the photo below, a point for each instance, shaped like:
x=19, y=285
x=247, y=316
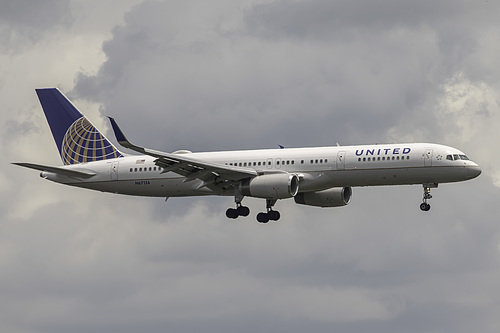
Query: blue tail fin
x=76, y=138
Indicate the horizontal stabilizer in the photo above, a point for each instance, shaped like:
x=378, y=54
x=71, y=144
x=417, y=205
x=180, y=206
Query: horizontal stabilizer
x=58, y=170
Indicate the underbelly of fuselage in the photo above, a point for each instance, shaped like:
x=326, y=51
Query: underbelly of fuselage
x=311, y=181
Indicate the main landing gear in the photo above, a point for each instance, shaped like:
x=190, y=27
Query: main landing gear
x=240, y=210
x=424, y=206
x=271, y=215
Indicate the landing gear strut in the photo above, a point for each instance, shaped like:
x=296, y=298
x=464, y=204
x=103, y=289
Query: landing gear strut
x=240, y=210
x=424, y=206
x=270, y=215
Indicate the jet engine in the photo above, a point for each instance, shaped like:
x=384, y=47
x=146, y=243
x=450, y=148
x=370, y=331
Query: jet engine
x=334, y=197
x=271, y=186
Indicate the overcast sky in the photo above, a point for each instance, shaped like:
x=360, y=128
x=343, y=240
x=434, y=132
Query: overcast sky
x=226, y=74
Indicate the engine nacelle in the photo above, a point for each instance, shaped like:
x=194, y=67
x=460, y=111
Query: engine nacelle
x=334, y=197
x=271, y=186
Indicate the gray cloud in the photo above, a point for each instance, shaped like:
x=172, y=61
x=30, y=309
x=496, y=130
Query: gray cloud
x=233, y=75
x=24, y=21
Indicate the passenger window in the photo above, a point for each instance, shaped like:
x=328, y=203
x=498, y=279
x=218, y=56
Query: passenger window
x=326, y=161
x=131, y=169
x=301, y=161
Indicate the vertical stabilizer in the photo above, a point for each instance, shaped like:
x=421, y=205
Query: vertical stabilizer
x=76, y=138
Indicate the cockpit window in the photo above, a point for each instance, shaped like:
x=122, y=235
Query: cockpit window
x=456, y=157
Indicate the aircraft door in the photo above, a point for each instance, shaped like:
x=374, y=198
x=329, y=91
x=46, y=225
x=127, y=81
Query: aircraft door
x=114, y=171
x=278, y=163
x=341, y=160
x=428, y=158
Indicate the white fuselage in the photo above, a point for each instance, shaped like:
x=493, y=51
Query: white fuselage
x=318, y=169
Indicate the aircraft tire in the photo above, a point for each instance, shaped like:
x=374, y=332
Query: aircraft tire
x=425, y=207
x=263, y=217
x=232, y=213
x=274, y=215
x=243, y=211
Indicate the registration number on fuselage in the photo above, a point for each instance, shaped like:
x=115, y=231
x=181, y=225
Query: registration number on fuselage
x=142, y=182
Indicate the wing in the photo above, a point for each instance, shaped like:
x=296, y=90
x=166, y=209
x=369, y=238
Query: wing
x=213, y=175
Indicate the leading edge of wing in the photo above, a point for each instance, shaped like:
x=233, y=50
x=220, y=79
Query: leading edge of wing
x=177, y=161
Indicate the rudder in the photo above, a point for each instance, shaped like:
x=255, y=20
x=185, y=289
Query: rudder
x=77, y=140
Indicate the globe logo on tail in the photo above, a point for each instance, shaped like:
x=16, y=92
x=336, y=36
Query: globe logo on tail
x=84, y=143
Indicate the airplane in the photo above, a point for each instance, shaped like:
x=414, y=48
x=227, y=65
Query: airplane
x=315, y=176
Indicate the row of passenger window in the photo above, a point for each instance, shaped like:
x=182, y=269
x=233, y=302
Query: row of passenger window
x=145, y=169
x=278, y=162
x=244, y=164
x=383, y=158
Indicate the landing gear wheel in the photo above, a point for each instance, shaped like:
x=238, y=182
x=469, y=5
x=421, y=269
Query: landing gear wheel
x=243, y=211
x=232, y=213
x=274, y=215
x=425, y=206
x=263, y=217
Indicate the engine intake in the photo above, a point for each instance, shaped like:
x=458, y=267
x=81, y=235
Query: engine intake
x=334, y=197
x=272, y=186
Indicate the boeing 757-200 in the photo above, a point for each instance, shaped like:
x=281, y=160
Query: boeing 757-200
x=319, y=176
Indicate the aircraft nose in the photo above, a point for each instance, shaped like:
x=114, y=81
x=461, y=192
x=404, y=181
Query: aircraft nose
x=473, y=171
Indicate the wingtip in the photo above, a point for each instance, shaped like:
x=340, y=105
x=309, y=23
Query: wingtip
x=120, y=137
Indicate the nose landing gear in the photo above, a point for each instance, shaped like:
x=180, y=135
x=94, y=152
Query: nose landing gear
x=424, y=206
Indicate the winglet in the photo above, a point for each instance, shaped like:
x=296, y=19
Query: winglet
x=122, y=140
